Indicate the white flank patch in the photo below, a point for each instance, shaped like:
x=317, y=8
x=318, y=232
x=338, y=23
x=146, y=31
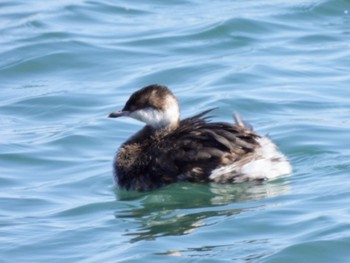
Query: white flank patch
x=268, y=163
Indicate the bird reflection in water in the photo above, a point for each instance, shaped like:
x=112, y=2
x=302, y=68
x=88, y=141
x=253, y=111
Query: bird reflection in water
x=182, y=208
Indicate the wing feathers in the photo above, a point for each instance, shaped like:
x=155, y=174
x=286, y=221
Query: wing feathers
x=199, y=146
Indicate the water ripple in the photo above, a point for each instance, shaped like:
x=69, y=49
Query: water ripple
x=64, y=65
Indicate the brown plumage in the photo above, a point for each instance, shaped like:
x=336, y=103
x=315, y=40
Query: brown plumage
x=173, y=151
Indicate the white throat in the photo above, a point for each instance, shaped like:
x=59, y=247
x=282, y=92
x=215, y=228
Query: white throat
x=159, y=119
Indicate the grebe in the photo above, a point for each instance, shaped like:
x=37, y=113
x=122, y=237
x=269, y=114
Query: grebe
x=168, y=150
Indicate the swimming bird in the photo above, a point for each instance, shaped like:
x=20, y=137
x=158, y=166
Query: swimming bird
x=168, y=150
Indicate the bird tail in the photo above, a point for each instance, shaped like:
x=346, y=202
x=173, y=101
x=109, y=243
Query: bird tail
x=242, y=123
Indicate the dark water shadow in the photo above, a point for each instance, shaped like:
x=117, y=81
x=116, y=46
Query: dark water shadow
x=181, y=208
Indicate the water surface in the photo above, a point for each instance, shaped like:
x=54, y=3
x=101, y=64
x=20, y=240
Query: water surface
x=65, y=65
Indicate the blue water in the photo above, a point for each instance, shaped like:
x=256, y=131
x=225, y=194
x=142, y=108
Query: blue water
x=66, y=64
